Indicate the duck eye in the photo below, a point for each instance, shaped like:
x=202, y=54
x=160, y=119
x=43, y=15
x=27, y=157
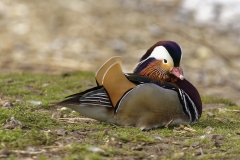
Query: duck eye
x=165, y=61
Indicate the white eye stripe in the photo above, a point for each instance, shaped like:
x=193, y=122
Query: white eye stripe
x=160, y=53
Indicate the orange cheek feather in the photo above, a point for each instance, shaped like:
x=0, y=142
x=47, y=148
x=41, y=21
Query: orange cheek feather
x=156, y=72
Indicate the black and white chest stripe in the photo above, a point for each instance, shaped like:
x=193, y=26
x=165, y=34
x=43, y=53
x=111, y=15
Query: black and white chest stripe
x=189, y=106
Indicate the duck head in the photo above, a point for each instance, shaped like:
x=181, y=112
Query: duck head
x=161, y=61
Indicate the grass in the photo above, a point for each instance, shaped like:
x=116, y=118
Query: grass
x=216, y=136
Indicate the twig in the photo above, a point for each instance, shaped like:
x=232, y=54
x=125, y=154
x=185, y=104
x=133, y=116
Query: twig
x=53, y=147
x=169, y=123
x=84, y=119
x=229, y=110
x=189, y=129
x=27, y=152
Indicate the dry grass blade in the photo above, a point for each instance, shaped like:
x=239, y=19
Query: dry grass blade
x=28, y=152
x=76, y=120
x=189, y=129
x=229, y=110
x=169, y=123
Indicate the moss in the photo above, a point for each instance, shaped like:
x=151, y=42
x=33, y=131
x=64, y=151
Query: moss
x=211, y=99
x=20, y=139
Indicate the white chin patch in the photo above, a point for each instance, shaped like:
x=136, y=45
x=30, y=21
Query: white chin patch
x=181, y=77
x=161, y=53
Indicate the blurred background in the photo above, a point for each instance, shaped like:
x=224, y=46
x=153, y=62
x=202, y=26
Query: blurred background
x=57, y=36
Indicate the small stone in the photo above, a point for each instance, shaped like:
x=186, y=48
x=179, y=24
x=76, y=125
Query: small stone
x=217, y=137
x=152, y=156
x=222, y=110
x=220, y=119
x=30, y=149
x=18, y=101
x=57, y=115
x=7, y=104
x=195, y=144
x=61, y=132
x=210, y=114
x=113, y=139
x=45, y=84
x=202, y=137
x=209, y=128
x=95, y=149
x=63, y=108
x=36, y=103
x=158, y=138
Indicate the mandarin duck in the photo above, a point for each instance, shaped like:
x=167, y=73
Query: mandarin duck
x=155, y=94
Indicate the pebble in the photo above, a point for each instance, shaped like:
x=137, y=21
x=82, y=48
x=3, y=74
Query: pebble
x=195, y=144
x=95, y=149
x=221, y=110
x=45, y=84
x=210, y=114
x=217, y=137
x=57, y=115
x=202, y=137
x=158, y=138
x=61, y=132
x=63, y=109
x=30, y=149
x=152, y=156
x=36, y=103
x=209, y=128
x=7, y=104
